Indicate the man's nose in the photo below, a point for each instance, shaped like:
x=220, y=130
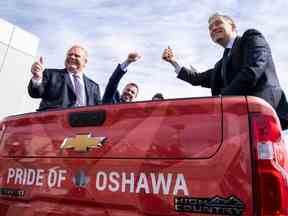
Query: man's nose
x=213, y=27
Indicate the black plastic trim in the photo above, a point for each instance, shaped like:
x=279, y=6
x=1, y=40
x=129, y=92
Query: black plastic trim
x=87, y=118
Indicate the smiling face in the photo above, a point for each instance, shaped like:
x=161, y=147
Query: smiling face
x=76, y=59
x=129, y=93
x=221, y=30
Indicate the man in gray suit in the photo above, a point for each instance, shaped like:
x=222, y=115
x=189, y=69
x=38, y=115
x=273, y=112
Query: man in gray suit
x=64, y=88
x=246, y=67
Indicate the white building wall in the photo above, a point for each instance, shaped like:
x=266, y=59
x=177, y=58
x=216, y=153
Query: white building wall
x=18, y=49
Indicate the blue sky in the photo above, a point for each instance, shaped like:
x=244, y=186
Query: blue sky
x=111, y=29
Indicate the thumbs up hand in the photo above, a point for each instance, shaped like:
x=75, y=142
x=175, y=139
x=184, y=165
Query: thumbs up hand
x=168, y=55
x=37, y=69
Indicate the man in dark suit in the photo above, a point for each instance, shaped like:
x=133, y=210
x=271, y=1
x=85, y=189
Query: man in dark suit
x=130, y=92
x=246, y=67
x=158, y=96
x=64, y=88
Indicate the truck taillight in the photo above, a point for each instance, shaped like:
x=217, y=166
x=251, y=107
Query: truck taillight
x=271, y=180
x=2, y=127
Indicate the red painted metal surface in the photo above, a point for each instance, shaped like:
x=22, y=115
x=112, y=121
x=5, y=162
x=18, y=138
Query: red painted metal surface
x=154, y=152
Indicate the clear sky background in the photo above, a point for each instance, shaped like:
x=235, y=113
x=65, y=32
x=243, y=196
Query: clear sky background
x=111, y=29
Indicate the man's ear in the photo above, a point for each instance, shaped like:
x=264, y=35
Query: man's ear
x=233, y=27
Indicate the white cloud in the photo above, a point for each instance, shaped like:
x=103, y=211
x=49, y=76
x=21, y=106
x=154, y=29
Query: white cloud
x=110, y=30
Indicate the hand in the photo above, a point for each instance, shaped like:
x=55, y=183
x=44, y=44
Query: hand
x=37, y=69
x=168, y=55
x=133, y=56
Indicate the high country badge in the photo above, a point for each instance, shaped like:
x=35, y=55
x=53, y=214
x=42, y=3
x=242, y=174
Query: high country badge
x=214, y=205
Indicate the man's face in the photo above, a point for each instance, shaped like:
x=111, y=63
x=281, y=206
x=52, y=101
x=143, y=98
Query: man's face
x=221, y=30
x=76, y=60
x=129, y=93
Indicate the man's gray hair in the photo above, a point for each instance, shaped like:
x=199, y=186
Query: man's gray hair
x=229, y=19
x=80, y=47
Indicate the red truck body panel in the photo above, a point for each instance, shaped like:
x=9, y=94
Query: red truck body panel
x=151, y=158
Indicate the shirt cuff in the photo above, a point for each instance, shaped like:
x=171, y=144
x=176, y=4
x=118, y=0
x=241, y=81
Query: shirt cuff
x=124, y=65
x=177, y=67
x=36, y=82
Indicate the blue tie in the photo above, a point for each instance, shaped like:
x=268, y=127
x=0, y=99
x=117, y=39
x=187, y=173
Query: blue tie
x=224, y=65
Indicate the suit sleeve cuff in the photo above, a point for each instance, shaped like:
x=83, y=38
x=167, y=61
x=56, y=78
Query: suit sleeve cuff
x=124, y=65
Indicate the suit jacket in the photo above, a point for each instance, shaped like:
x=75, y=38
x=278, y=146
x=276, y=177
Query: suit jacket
x=250, y=70
x=112, y=95
x=56, y=90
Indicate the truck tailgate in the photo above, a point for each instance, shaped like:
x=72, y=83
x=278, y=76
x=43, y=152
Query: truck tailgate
x=149, y=158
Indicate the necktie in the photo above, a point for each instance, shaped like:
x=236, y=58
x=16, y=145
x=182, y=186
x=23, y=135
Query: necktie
x=79, y=89
x=224, y=65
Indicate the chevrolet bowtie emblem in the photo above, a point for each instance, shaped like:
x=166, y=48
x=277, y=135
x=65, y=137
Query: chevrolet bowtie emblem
x=82, y=143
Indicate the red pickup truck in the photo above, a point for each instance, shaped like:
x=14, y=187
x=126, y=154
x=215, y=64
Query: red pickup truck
x=197, y=156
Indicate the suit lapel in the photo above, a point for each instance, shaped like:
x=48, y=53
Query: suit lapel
x=68, y=81
x=233, y=61
x=236, y=51
x=88, y=89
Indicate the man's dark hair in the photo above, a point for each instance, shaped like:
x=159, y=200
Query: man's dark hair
x=158, y=96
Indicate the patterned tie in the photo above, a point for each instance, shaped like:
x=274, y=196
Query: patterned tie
x=79, y=89
x=224, y=65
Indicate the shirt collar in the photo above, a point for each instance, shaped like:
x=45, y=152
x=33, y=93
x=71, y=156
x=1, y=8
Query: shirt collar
x=231, y=41
x=80, y=74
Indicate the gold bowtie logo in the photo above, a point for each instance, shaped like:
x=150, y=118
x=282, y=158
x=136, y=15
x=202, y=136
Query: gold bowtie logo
x=83, y=142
